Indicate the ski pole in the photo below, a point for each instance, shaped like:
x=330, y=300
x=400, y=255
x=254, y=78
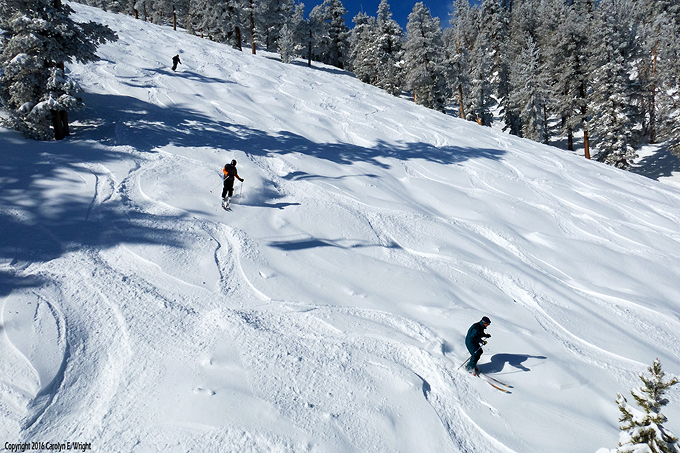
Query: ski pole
x=468, y=359
x=215, y=188
x=240, y=193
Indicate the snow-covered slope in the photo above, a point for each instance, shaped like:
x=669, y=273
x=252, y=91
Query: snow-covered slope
x=327, y=311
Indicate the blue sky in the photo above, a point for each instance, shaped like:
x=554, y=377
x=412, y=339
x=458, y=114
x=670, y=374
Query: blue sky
x=400, y=9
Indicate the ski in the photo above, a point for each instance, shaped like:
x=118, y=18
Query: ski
x=492, y=383
x=497, y=381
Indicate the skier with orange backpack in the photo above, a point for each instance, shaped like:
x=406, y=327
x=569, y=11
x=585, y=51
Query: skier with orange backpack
x=230, y=174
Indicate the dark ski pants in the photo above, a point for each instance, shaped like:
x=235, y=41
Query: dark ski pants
x=472, y=364
x=228, y=188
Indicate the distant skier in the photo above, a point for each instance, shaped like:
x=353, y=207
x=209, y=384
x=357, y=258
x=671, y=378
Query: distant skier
x=474, y=340
x=175, y=61
x=230, y=173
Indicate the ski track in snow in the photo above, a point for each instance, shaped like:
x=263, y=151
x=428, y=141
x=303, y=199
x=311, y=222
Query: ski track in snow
x=326, y=311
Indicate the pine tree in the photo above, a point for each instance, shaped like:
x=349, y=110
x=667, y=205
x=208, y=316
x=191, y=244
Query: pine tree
x=481, y=99
x=425, y=74
x=286, y=44
x=303, y=32
x=219, y=20
x=362, y=48
x=318, y=37
x=532, y=93
x=659, y=70
x=273, y=14
x=459, y=41
x=38, y=38
x=643, y=431
x=249, y=10
x=613, y=113
x=566, y=44
x=389, y=42
x=495, y=24
x=659, y=31
x=331, y=34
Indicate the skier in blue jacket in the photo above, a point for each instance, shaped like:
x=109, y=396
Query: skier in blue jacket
x=474, y=340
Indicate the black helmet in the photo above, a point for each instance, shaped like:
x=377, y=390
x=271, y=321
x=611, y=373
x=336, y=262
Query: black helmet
x=486, y=321
x=233, y=162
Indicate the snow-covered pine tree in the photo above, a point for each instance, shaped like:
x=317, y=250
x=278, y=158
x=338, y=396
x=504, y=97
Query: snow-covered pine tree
x=425, y=74
x=331, y=33
x=164, y=10
x=293, y=35
x=565, y=34
x=525, y=22
x=481, y=99
x=273, y=14
x=390, y=38
x=659, y=69
x=495, y=24
x=532, y=93
x=286, y=44
x=249, y=10
x=362, y=59
x=338, y=33
x=668, y=101
x=658, y=33
x=642, y=430
x=318, y=39
x=142, y=9
x=613, y=113
x=38, y=38
x=219, y=20
x=459, y=41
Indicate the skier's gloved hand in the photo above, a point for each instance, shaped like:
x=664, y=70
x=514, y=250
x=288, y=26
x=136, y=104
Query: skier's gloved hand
x=488, y=335
x=483, y=342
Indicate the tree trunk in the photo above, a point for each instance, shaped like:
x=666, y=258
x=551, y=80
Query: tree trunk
x=584, y=119
x=652, y=101
x=174, y=19
x=252, y=29
x=570, y=140
x=237, y=37
x=309, y=50
x=461, y=107
x=60, y=124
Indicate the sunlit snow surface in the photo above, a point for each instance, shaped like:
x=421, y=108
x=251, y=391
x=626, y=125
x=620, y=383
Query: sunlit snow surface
x=327, y=311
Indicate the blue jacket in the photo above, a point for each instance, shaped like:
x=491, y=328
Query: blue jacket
x=475, y=334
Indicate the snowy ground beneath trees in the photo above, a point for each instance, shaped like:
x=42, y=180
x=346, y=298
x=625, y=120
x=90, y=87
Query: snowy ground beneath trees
x=327, y=311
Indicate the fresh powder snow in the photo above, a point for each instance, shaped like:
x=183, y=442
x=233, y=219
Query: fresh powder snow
x=327, y=311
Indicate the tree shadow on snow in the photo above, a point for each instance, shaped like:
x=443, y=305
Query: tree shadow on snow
x=123, y=120
x=39, y=224
x=498, y=361
x=660, y=164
